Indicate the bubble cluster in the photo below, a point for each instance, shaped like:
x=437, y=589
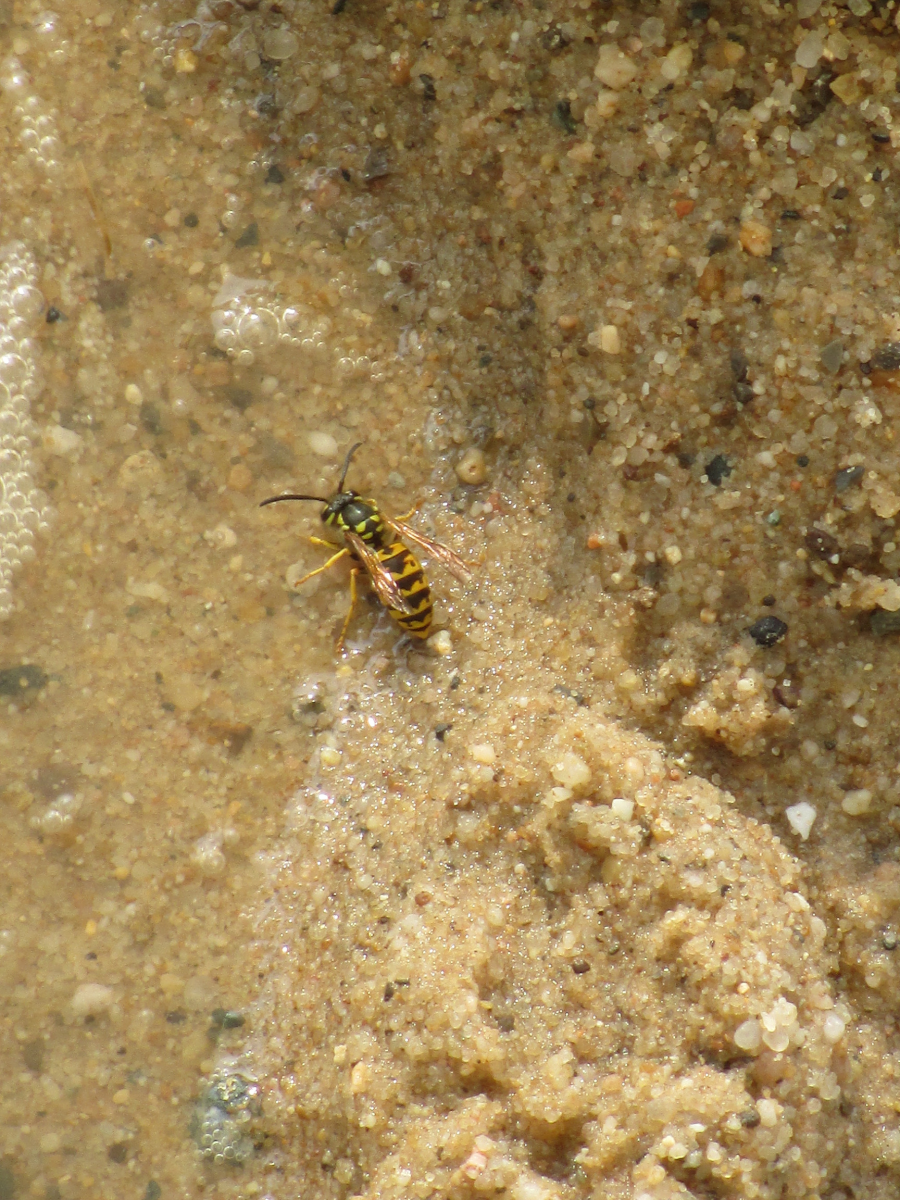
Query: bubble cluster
x=23, y=509
x=224, y=1115
x=243, y=327
x=37, y=136
x=59, y=814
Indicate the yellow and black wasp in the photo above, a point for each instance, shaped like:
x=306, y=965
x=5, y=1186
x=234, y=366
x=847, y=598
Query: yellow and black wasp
x=378, y=545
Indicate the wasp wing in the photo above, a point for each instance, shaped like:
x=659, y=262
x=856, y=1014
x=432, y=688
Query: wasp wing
x=383, y=583
x=443, y=554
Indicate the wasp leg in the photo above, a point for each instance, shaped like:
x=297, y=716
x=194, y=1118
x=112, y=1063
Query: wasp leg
x=322, y=542
x=412, y=512
x=324, y=567
x=339, y=645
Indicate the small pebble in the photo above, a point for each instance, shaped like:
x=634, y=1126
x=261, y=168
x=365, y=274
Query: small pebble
x=767, y=631
x=610, y=342
x=91, y=998
x=800, y=818
x=717, y=469
x=832, y=356
x=185, y=61
x=833, y=1028
x=59, y=440
x=847, y=477
x=323, y=444
x=280, y=44
x=887, y=358
x=756, y=239
x=613, y=68
x=882, y=622
x=571, y=771
x=623, y=809
x=441, y=642
x=748, y=1035
x=472, y=467
x=483, y=752
x=822, y=544
x=857, y=802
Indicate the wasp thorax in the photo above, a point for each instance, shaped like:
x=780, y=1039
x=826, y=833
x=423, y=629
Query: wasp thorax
x=354, y=513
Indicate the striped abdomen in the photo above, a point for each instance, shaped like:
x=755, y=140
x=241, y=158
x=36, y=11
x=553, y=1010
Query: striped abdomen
x=407, y=572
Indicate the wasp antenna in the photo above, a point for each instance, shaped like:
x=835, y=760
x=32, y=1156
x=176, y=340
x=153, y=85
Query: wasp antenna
x=275, y=499
x=346, y=467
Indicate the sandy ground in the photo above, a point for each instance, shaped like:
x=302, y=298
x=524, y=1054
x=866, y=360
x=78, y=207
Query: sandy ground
x=595, y=894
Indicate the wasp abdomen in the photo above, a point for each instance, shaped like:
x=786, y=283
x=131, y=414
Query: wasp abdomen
x=406, y=571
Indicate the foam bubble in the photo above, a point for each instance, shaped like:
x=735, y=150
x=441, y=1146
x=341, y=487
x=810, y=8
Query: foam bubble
x=23, y=509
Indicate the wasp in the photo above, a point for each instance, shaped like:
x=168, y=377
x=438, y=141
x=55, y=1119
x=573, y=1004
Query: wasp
x=377, y=545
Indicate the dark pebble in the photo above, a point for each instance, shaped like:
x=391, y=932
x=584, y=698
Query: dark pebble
x=790, y=214
x=881, y=137
x=739, y=364
x=118, y=1152
x=428, y=91
x=857, y=554
x=743, y=393
x=111, y=293
x=554, y=40
x=33, y=1055
x=787, y=693
x=698, y=12
x=14, y=681
x=250, y=237
x=274, y=174
x=768, y=601
x=717, y=243
x=153, y=1192
x=580, y=966
x=717, y=469
x=887, y=358
x=238, y=397
x=441, y=731
x=53, y=315
x=377, y=165
x=802, y=460
x=840, y=193
x=191, y=220
x=767, y=631
x=749, y=1118
x=882, y=622
x=227, y=1018
x=889, y=940
x=562, y=116
x=822, y=544
x=847, y=477
x=150, y=418
x=743, y=99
